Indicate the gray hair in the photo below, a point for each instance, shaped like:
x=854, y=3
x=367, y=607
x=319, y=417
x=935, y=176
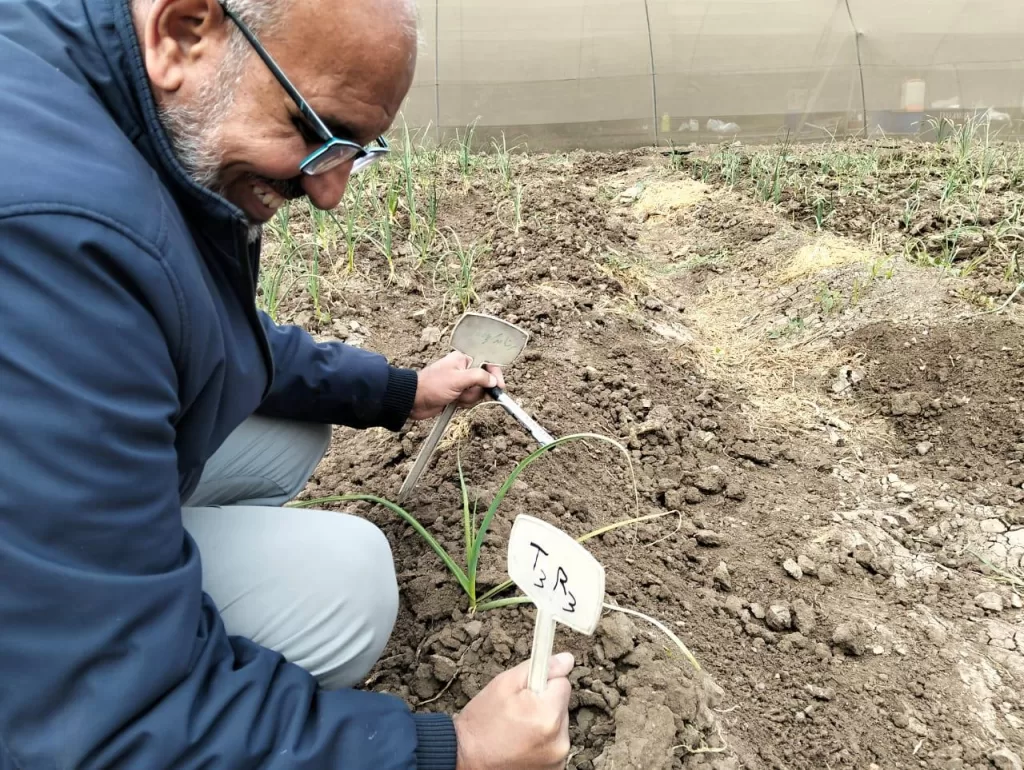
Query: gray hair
x=261, y=16
x=264, y=16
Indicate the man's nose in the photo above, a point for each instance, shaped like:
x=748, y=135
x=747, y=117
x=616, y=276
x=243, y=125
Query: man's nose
x=326, y=190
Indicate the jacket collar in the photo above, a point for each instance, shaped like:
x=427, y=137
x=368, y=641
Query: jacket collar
x=129, y=98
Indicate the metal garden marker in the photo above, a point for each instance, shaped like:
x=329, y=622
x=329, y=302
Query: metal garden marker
x=540, y=435
x=563, y=579
x=486, y=340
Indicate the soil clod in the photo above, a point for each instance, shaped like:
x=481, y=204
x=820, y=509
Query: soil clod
x=1004, y=759
x=616, y=633
x=852, y=638
x=821, y=693
x=710, y=481
x=806, y=565
x=644, y=735
x=721, y=576
x=803, y=617
x=709, y=538
x=778, y=617
x=989, y=600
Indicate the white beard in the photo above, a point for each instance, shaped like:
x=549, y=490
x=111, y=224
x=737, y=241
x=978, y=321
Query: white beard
x=194, y=129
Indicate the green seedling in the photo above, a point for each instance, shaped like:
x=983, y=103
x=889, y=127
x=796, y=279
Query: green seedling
x=823, y=210
x=1011, y=576
x=732, y=166
x=910, y=208
x=881, y=268
x=352, y=234
x=475, y=532
x=768, y=172
x=460, y=276
x=676, y=159
x=856, y=290
x=324, y=223
x=465, y=152
x=793, y=326
x=385, y=212
x=409, y=178
x=426, y=231
x=271, y=280
x=953, y=183
x=828, y=300
x=503, y=160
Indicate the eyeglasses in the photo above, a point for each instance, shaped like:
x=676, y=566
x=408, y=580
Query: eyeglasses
x=334, y=151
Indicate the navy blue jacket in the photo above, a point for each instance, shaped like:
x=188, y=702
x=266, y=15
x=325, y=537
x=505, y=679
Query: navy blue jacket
x=130, y=347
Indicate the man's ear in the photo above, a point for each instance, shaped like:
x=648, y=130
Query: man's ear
x=180, y=37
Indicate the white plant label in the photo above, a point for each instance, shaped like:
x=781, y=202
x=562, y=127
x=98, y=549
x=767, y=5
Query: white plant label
x=563, y=579
x=557, y=573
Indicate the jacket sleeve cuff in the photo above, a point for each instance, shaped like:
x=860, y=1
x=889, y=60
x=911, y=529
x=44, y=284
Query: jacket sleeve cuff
x=399, y=397
x=436, y=747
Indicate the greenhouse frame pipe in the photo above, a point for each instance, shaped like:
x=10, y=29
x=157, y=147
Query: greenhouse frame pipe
x=654, y=77
x=437, y=69
x=860, y=69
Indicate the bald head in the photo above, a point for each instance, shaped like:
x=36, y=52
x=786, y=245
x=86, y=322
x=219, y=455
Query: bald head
x=235, y=127
x=350, y=49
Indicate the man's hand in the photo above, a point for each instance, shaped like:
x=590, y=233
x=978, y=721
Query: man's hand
x=508, y=727
x=450, y=379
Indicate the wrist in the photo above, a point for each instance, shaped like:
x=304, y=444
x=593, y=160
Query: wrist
x=461, y=763
x=435, y=742
x=400, y=397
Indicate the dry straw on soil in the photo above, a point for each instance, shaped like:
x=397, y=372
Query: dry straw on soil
x=729, y=327
x=781, y=381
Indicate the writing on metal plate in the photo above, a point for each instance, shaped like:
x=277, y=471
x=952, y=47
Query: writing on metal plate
x=496, y=338
x=559, y=585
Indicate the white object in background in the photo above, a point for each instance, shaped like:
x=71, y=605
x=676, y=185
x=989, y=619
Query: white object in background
x=716, y=126
x=563, y=579
x=995, y=116
x=912, y=97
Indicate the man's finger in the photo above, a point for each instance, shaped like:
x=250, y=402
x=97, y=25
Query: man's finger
x=496, y=371
x=471, y=397
x=459, y=360
x=475, y=378
x=561, y=665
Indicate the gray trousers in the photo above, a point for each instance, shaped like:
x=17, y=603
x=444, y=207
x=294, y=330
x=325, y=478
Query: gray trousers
x=317, y=586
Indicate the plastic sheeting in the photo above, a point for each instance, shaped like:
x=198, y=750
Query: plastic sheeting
x=607, y=74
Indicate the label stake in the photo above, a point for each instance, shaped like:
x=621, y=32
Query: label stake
x=563, y=579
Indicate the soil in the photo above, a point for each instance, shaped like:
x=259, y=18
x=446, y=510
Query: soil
x=836, y=434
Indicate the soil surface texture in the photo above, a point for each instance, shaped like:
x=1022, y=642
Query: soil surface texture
x=813, y=359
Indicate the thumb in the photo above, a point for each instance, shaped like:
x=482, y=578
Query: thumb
x=561, y=665
x=558, y=666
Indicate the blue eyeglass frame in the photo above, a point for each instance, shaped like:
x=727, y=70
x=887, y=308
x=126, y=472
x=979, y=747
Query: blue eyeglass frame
x=334, y=151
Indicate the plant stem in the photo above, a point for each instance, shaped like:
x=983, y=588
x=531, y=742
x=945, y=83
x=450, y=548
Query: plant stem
x=467, y=527
x=499, y=603
x=662, y=627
